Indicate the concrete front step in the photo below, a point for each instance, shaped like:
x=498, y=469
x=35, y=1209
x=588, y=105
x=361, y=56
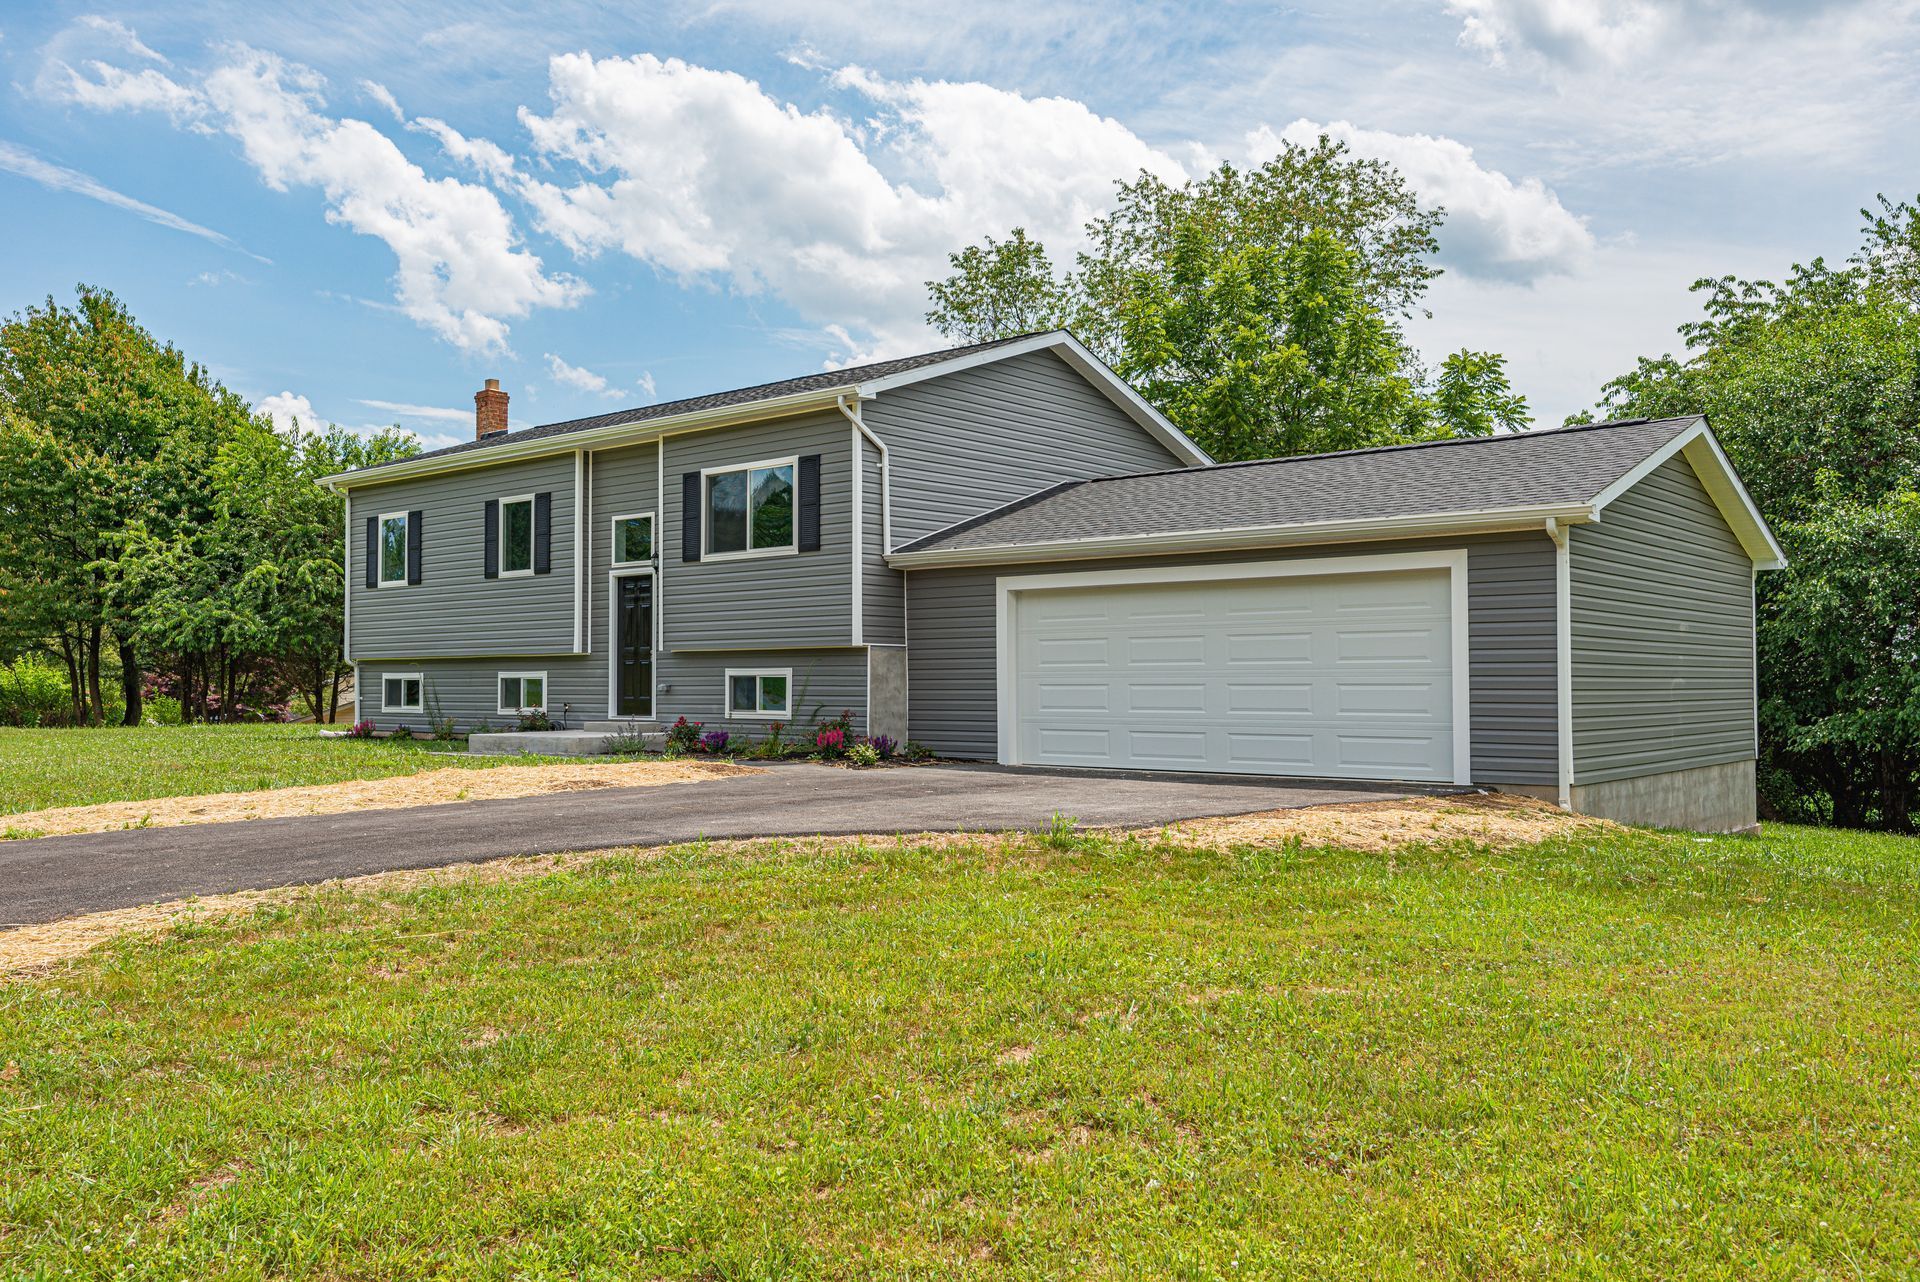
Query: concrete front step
x=555, y=743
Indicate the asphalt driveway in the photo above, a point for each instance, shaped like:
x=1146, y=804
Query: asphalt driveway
x=48, y=878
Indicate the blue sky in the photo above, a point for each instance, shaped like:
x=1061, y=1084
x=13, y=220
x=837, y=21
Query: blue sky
x=358, y=211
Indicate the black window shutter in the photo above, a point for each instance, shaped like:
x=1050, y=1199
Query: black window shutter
x=373, y=551
x=414, y=535
x=810, y=503
x=492, y=539
x=690, y=516
x=543, y=533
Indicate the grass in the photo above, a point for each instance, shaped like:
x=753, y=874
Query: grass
x=43, y=768
x=1645, y=1055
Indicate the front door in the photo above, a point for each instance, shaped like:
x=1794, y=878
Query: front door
x=634, y=666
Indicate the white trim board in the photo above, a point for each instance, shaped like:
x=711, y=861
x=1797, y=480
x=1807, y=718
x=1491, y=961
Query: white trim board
x=1563, y=658
x=1722, y=483
x=1007, y=588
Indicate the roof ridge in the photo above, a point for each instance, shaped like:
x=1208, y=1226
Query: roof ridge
x=1402, y=446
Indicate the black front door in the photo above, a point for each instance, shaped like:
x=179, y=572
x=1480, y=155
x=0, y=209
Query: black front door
x=635, y=679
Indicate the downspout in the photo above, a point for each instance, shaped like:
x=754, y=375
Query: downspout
x=1563, y=656
x=849, y=406
x=886, y=470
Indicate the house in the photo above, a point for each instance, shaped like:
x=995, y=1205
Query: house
x=1003, y=552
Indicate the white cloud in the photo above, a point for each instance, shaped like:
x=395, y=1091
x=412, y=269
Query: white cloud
x=407, y=410
x=1611, y=32
x=382, y=95
x=585, y=380
x=19, y=160
x=1495, y=228
x=461, y=271
x=488, y=159
x=286, y=409
x=121, y=35
x=703, y=175
x=646, y=388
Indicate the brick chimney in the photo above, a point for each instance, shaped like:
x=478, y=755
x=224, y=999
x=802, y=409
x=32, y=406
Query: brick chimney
x=489, y=411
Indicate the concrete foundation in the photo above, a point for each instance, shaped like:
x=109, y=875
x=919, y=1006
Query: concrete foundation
x=1719, y=798
x=887, y=691
x=553, y=743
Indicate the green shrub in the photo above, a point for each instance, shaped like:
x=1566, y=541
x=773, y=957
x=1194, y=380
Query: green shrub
x=33, y=692
x=863, y=754
x=401, y=732
x=160, y=710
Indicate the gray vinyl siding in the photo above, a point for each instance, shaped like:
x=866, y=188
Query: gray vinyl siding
x=455, y=609
x=883, y=601
x=967, y=442
x=951, y=694
x=805, y=599
x=621, y=482
x=825, y=684
x=1662, y=610
x=467, y=690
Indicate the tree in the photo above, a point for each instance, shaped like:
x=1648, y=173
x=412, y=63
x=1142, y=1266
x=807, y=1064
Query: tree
x=1813, y=387
x=1258, y=310
x=998, y=289
x=104, y=427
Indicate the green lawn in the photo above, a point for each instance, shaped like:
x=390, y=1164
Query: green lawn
x=41, y=768
x=1650, y=1055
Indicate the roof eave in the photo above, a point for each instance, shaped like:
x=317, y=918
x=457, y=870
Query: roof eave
x=1425, y=525
x=611, y=435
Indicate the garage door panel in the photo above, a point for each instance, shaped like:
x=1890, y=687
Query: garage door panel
x=1340, y=675
x=1400, y=756
x=1400, y=700
x=1271, y=647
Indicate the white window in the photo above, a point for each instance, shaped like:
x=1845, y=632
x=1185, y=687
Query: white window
x=523, y=692
x=516, y=536
x=393, y=549
x=633, y=540
x=760, y=696
x=400, y=691
x=750, y=509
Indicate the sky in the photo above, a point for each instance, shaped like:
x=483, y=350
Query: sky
x=356, y=212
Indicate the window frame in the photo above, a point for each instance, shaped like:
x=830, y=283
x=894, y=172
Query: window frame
x=419, y=678
x=501, y=506
x=757, y=713
x=501, y=678
x=613, y=540
x=406, y=548
x=790, y=548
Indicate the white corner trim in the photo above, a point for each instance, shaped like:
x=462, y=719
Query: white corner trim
x=1009, y=587
x=1563, y=657
x=659, y=559
x=346, y=600
x=1723, y=486
x=582, y=514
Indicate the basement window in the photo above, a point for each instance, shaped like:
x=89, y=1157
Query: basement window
x=400, y=692
x=760, y=696
x=523, y=692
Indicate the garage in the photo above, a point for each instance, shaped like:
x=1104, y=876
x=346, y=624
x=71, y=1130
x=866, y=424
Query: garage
x=1346, y=668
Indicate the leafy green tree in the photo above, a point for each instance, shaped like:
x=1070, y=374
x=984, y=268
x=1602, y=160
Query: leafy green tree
x=998, y=289
x=1813, y=387
x=1258, y=309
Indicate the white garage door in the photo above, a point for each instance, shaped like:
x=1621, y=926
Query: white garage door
x=1335, y=676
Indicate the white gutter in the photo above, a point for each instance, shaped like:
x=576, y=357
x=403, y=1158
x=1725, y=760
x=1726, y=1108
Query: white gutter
x=628, y=433
x=1439, y=524
x=886, y=468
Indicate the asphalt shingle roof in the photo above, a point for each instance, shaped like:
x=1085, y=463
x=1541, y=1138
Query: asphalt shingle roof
x=1567, y=465
x=825, y=381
